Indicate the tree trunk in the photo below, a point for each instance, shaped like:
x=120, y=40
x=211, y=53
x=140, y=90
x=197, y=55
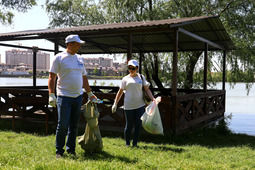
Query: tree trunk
x=190, y=69
x=155, y=71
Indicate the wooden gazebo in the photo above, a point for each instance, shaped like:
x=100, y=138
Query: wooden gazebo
x=181, y=109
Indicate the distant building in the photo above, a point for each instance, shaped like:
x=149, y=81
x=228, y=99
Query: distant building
x=16, y=57
x=103, y=67
x=100, y=61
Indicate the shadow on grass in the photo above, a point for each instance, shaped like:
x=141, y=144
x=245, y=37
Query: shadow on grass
x=163, y=148
x=106, y=156
x=27, y=127
x=213, y=137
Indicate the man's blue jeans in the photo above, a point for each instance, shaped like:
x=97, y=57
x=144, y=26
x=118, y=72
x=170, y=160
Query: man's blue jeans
x=69, y=110
x=133, y=117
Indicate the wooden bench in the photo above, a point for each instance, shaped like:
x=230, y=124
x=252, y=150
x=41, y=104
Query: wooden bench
x=28, y=105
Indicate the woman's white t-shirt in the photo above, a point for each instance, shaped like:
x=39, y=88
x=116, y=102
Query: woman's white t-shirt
x=132, y=87
x=70, y=70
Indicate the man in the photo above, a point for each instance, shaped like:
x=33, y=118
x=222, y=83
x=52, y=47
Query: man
x=71, y=73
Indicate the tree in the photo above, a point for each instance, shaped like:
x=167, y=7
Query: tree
x=6, y=16
x=95, y=71
x=74, y=13
x=237, y=16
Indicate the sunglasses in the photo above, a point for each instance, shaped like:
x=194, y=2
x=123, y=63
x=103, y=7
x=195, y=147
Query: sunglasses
x=131, y=68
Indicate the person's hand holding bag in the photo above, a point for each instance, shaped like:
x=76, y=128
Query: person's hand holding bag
x=114, y=107
x=52, y=100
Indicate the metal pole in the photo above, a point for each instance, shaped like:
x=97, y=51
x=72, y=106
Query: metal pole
x=35, y=50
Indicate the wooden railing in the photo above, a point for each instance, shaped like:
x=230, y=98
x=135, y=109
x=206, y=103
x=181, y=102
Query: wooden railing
x=199, y=108
x=188, y=109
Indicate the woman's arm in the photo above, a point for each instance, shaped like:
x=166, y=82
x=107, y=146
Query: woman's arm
x=148, y=91
x=118, y=96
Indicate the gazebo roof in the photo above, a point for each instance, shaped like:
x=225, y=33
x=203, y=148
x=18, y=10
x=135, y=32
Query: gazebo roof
x=147, y=36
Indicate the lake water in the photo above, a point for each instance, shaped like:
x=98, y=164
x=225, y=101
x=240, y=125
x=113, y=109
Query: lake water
x=241, y=106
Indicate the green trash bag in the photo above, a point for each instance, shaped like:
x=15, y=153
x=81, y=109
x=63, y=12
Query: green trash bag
x=91, y=140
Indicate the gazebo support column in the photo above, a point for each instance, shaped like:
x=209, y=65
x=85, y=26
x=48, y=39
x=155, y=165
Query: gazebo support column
x=35, y=50
x=140, y=62
x=224, y=70
x=129, y=48
x=205, y=66
x=205, y=76
x=56, y=46
x=174, y=81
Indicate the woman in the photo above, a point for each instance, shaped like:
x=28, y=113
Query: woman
x=133, y=101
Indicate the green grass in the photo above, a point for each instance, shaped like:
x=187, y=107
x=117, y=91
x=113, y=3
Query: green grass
x=211, y=148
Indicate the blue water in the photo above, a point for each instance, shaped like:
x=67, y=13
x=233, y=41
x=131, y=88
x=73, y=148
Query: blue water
x=238, y=104
x=242, y=108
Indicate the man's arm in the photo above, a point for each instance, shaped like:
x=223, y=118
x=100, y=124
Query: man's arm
x=86, y=84
x=51, y=87
x=87, y=88
x=52, y=82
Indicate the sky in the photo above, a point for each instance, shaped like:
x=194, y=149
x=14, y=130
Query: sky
x=35, y=18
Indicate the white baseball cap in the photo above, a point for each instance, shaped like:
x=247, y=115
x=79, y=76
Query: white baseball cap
x=73, y=38
x=133, y=63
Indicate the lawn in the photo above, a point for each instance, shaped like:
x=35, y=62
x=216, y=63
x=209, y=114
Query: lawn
x=210, y=148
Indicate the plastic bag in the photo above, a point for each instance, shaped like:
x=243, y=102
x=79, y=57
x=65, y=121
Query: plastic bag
x=151, y=120
x=91, y=140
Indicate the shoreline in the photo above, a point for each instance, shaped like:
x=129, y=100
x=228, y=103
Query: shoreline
x=46, y=77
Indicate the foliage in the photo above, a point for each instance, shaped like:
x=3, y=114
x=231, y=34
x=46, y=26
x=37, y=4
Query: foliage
x=6, y=7
x=236, y=15
x=74, y=13
x=95, y=71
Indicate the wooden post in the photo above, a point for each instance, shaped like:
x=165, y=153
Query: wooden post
x=35, y=50
x=224, y=70
x=205, y=76
x=56, y=46
x=205, y=67
x=175, y=61
x=129, y=48
x=173, y=115
x=140, y=62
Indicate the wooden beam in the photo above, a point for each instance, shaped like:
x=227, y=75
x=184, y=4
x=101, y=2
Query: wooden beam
x=25, y=47
x=201, y=39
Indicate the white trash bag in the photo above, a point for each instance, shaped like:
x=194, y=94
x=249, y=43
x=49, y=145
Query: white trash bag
x=151, y=120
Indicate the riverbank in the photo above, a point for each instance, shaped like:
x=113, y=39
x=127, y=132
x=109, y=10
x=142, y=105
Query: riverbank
x=46, y=77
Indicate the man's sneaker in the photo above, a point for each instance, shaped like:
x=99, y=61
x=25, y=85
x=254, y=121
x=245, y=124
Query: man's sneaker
x=59, y=155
